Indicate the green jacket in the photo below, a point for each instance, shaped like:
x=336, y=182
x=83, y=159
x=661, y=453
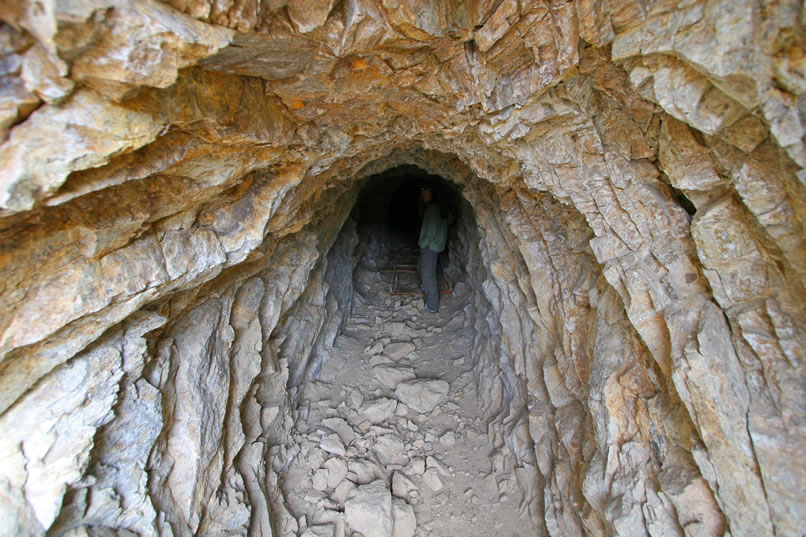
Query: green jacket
x=434, y=229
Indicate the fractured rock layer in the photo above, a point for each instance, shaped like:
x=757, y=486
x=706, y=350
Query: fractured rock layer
x=183, y=242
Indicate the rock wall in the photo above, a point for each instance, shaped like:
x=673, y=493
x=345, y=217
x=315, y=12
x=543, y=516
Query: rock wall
x=174, y=176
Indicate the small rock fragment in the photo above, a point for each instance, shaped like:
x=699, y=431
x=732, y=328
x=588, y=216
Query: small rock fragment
x=416, y=467
x=331, y=443
x=422, y=395
x=343, y=491
x=320, y=479
x=340, y=427
x=337, y=471
x=399, y=350
x=432, y=462
x=395, y=328
x=365, y=471
x=380, y=359
x=357, y=398
x=390, y=449
x=378, y=410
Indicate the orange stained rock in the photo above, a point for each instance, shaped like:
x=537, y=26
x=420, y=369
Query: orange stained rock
x=358, y=63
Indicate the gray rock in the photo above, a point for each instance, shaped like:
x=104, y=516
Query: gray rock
x=392, y=375
x=405, y=522
x=416, y=467
x=432, y=462
x=364, y=471
x=378, y=410
x=320, y=479
x=448, y=439
x=369, y=510
x=343, y=491
x=402, y=486
x=380, y=359
x=391, y=450
x=422, y=395
x=337, y=471
x=333, y=444
x=340, y=427
x=398, y=350
x=395, y=328
x=325, y=530
x=431, y=478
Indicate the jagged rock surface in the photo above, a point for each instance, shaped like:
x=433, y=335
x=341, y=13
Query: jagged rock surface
x=176, y=187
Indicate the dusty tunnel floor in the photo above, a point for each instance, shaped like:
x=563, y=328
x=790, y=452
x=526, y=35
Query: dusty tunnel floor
x=390, y=439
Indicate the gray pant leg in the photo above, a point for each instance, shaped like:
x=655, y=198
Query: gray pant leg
x=428, y=274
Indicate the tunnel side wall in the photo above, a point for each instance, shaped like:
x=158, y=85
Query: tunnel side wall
x=202, y=404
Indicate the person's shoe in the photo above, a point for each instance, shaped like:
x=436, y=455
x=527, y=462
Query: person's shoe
x=432, y=311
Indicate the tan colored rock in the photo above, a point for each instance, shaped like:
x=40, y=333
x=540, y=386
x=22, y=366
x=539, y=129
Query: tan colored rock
x=146, y=46
x=45, y=74
x=307, y=15
x=415, y=20
x=176, y=185
x=687, y=163
x=87, y=130
x=497, y=25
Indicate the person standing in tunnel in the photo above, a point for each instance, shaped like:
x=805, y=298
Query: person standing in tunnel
x=433, y=237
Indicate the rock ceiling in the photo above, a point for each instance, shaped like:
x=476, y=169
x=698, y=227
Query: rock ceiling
x=635, y=167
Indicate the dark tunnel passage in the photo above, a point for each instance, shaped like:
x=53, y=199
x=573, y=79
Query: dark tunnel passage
x=387, y=213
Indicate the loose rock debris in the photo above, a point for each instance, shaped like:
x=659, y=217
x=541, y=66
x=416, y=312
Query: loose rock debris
x=392, y=441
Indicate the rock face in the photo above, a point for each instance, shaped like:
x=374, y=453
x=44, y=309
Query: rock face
x=177, y=189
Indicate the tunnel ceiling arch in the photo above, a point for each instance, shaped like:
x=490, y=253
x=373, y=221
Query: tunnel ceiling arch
x=636, y=171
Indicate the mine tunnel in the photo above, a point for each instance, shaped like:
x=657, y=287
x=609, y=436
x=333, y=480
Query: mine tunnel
x=205, y=208
x=388, y=215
